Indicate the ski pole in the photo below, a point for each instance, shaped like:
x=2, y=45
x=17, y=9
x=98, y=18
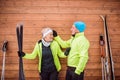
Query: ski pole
x=101, y=42
x=4, y=49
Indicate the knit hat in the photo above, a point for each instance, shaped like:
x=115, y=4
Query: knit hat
x=46, y=31
x=81, y=26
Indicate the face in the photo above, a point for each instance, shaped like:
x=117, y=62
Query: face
x=73, y=30
x=49, y=37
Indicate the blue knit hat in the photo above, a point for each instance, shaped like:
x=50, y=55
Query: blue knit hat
x=81, y=26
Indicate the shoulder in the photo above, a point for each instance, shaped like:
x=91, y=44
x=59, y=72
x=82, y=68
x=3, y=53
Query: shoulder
x=39, y=41
x=55, y=43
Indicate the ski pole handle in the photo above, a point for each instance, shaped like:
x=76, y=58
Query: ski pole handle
x=4, y=47
x=102, y=45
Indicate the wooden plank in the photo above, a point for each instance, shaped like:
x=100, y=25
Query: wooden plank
x=116, y=52
x=26, y=78
x=115, y=45
x=58, y=10
x=93, y=73
x=95, y=58
x=61, y=78
x=92, y=52
x=48, y=16
x=30, y=45
x=37, y=31
x=15, y=66
x=34, y=66
x=33, y=38
x=58, y=16
x=93, y=65
x=13, y=60
x=101, y=4
x=116, y=59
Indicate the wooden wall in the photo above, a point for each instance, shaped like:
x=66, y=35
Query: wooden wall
x=59, y=15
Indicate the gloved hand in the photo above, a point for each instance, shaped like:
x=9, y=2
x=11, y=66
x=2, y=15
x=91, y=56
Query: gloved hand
x=67, y=51
x=54, y=33
x=21, y=54
x=73, y=35
x=75, y=76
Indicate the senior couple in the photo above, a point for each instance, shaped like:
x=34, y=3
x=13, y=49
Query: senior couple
x=48, y=50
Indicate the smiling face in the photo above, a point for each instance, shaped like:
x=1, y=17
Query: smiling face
x=49, y=37
x=74, y=30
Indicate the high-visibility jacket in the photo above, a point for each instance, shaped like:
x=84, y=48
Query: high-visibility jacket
x=78, y=55
x=56, y=52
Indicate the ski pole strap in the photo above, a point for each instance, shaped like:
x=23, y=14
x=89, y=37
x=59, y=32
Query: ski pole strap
x=4, y=47
x=102, y=42
x=102, y=45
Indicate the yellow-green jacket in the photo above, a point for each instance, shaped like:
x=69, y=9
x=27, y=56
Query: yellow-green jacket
x=78, y=55
x=56, y=52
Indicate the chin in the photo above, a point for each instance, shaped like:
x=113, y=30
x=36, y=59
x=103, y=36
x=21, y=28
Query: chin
x=51, y=40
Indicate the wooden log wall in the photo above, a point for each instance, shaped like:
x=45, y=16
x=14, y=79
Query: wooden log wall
x=59, y=15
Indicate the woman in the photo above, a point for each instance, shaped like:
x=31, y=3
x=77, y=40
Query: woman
x=48, y=52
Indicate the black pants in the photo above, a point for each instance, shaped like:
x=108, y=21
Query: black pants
x=70, y=74
x=49, y=75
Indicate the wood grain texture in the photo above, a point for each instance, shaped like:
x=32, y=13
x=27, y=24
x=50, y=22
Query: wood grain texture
x=58, y=15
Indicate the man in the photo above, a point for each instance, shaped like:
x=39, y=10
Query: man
x=78, y=51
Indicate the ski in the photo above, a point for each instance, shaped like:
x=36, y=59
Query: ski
x=4, y=49
x=19, y=31
x=108, y=48
x=104, y=61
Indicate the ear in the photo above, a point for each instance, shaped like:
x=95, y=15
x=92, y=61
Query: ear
x=76, y=30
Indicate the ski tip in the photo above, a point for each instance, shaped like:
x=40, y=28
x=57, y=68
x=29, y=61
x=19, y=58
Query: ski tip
x=5, y=41
x=103, y=16
x=17, y=25
x=20, y=24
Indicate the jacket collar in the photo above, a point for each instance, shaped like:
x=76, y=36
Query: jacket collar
x=79, y=34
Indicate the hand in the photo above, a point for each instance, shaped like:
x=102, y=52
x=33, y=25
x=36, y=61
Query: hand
x=67, y=51
x=73, y=35
x=54, y=33
x=21, y=54
x=75, y=76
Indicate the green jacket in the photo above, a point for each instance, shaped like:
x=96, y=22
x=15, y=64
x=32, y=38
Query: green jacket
x=56, y=52
x=78, y=55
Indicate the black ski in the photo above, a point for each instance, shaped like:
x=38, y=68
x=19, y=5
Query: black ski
x=19, y=31
x=4, y=49
x=108, y=47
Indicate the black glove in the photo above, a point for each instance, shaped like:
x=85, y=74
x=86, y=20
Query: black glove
x=21, y=54
x=54, y=33
x=75, y=76
x=73, y=35
x=67, y=51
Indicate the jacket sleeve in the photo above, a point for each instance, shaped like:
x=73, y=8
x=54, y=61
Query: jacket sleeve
x=33, y=54
x=63, y=44
x=83, y=58
x=60, y=52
